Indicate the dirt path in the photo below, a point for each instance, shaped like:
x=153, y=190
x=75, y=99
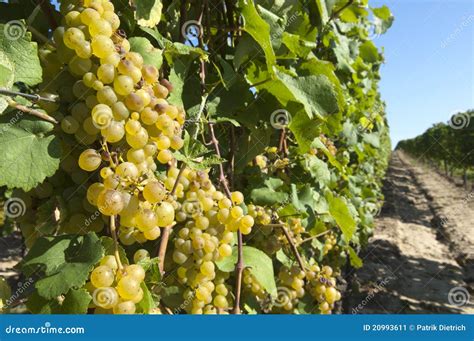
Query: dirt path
x=421, y=255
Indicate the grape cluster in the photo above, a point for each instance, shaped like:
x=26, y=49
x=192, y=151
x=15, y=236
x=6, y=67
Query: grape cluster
x=267, y=238
x=291, y=283
x=322, y=286
x=119, y=109
x=330, y=241
x=209, y=220
x=116, y=290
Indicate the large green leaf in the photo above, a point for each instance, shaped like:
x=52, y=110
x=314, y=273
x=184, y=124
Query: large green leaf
x=64, y=262
x=259, y=30
x=28, y=151
x=7, y=76
x=16, y=43
x=259, y=264
x=340, y=212
x=318, y=169
x=76, y=301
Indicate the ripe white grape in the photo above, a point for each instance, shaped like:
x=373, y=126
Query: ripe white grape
x=89, y=160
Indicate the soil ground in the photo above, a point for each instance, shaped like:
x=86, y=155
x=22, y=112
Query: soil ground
x=421, y=256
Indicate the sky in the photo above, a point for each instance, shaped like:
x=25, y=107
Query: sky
x=429, y=63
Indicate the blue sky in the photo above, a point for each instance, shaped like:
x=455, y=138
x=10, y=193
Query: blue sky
x=429, y=62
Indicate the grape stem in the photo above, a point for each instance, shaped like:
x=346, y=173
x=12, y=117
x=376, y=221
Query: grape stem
x=33, y=97
x=113, y=232
x=31, y=111
x=293, y=247
x=239, y=267
x=167, y=230
x=315, y=236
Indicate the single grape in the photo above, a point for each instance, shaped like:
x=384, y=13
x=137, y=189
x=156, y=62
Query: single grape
x=102, y=276
x=89, y=160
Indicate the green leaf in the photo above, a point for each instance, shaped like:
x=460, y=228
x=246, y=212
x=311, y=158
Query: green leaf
x=147, y=303
x=28, y=151
x=318, y=169
x=383, y=19
x=151, y=55
x=172, y=296
x=332, y=160
x=369, y=52
x=40, y=305
x=373, y=139
x=300, y=47
x=109, y=249
x=22, y=52
x=259, y=30
x=259, y=264
x=356, y=262
x=44, y=224
x=314, y=92
x=340, y=212
x=7, y=77
x=148, y=12
x=267, y=196
x=64, y=260
x=76, y=301
x=283, y=258
x=5, y=291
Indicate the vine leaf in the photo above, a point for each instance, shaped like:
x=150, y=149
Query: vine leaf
x=147, y=303
x=109, y=249
x=259, y=264
x=269, y=194
x=28, y=151
x=196, y=155
x=339, y=210
x=64, y=262
x=151, y=55
x=148, y=12
x=23, y=53
x=356, y=262
x=76, y=301
x=259, y=30
x=7, y=77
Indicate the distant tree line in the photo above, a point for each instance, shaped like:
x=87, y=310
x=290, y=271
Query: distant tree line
x=448, y=145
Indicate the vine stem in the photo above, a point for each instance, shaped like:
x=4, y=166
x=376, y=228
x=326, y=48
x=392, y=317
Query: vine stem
x=333, y=16
x=113, y=232
x=293, y=247
x=314, y=237
x=239, y=269
x=31, y=111
x=167, y=230
x=33, y=97
x=239, y=266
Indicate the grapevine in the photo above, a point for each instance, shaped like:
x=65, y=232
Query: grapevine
x=235, y=171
